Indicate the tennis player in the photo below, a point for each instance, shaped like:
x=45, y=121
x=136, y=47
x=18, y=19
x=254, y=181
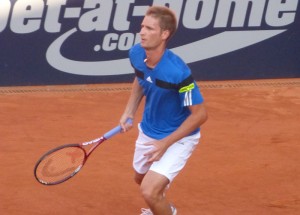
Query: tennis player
x=173, y=112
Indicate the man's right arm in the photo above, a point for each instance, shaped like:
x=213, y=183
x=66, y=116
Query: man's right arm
x=132, y=105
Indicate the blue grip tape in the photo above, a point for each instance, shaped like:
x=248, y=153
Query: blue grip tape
x=116, y=130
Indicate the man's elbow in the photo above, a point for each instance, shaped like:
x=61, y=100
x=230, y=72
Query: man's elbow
x=203, y=117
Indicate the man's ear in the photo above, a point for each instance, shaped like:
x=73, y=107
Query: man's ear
x=165, y=34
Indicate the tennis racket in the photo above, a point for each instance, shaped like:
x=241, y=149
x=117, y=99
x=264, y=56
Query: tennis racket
x=62, y=163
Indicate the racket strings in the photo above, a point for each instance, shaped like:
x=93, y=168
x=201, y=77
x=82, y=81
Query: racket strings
x=60, y=165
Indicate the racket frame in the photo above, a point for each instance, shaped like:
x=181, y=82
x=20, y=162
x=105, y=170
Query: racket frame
x=96, y=143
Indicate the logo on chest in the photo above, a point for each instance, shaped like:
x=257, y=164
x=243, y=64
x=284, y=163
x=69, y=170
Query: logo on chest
x=149, y=79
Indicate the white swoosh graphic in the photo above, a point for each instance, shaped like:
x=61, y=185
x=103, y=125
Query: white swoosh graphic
x=222, y=43
x=213, y=46
x=93, y=68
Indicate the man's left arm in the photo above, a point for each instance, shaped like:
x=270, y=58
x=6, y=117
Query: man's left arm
x=197, y=117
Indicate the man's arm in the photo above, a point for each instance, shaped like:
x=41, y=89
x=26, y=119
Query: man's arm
x=197, y=117
x=132, y=104
x=195, y=120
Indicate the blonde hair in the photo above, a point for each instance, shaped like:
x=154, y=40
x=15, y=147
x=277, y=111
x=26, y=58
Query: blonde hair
x=167, y=18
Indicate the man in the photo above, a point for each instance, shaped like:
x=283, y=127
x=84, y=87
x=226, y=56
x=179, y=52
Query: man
x=173, y=113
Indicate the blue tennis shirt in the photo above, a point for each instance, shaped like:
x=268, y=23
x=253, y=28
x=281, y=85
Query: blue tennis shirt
x=169, y=89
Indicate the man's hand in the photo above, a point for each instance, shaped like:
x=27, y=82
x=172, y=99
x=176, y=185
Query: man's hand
x=159, y=149
x=126, y=123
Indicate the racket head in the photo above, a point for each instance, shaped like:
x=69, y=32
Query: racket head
x=60, y=164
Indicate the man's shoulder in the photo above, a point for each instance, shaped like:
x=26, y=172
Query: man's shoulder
x=174, y=58
x=137, y=49
x=136, y=56
x=175, y=62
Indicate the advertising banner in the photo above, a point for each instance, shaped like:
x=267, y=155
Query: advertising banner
x=47, y=42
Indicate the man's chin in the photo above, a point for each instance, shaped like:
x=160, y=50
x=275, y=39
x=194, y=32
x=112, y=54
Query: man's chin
x=146, y=47
x=143, y=45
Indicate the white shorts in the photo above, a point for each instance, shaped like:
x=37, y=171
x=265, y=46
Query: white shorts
x=171, y=162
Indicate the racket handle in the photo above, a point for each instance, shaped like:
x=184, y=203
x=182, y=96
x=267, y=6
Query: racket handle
x=116, y=130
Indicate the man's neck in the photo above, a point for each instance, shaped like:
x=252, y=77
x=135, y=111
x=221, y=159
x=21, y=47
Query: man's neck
x=153, y=57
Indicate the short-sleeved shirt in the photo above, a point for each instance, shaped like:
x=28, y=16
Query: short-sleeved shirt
x=169, y=89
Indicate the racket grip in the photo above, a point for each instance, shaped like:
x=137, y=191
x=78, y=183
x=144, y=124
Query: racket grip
x=115, y=130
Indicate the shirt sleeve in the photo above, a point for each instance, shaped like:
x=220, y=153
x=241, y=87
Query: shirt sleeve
x=189, y=92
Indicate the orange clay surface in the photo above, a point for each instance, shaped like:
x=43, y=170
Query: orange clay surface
x=248, y=162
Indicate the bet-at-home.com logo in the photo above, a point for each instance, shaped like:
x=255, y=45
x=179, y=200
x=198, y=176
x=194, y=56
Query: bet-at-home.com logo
x=242, y=21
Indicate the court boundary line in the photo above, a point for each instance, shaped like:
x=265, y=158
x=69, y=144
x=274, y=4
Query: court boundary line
x=117, y=87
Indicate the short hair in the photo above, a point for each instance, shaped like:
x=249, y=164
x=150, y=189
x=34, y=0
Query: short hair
x=167, y=18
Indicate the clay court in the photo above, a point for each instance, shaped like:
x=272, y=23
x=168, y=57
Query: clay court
x=248, y=162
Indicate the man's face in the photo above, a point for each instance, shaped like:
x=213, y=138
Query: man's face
x=151, y=34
